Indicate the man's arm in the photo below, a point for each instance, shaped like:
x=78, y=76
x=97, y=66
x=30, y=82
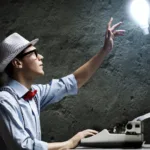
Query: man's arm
x=84, y=73
x=73, y=142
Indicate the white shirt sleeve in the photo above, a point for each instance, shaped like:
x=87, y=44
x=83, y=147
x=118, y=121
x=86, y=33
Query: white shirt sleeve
x=56, y=90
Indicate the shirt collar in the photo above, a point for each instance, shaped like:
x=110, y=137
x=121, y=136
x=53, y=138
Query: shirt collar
x=19, y=89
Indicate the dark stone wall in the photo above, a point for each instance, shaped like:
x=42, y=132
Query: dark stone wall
x=70, y=33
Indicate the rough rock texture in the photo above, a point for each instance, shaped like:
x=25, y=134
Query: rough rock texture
x=70, y=33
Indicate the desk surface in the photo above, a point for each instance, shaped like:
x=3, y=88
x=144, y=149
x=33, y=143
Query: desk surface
x=145, y=147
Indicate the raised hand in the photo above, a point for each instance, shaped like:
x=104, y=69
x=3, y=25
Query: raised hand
x=111, y=32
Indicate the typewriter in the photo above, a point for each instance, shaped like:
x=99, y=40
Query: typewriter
x=132, y=135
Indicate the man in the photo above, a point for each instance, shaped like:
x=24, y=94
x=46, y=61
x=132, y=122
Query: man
x=21, y=101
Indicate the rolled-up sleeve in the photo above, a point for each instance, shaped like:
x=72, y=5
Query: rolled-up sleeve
x=56, y=90
x=13, y=131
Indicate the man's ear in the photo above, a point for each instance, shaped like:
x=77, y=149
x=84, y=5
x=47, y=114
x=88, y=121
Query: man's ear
x=17, y=63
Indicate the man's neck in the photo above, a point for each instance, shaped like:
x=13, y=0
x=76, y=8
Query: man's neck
x=27, y=82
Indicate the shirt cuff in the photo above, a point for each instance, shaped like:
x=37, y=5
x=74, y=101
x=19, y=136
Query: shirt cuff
x=71, y=84
x=40, y=145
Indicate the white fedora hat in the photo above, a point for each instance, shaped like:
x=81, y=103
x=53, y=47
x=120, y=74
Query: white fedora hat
x=11, y=46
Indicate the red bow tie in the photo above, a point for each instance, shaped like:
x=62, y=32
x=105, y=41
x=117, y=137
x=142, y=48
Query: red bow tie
x=29, y=95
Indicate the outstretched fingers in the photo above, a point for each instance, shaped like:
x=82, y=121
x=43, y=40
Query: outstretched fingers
x=119, y=32
x=109, y=23
x=115, y=26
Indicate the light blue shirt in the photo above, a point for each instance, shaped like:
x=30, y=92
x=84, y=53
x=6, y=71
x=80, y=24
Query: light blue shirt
x=24, y=128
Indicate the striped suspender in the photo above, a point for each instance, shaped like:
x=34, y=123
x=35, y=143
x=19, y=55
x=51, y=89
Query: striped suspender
x=7, y=89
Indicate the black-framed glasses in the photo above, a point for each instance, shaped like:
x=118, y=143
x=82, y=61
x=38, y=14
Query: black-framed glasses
x=21, y=55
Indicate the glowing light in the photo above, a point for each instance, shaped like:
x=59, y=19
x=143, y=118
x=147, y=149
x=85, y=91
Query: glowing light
x=140, y=12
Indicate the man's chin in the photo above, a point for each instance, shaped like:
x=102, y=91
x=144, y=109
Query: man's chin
x=40, y=73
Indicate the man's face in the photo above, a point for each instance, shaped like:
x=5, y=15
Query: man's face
x=32, y=64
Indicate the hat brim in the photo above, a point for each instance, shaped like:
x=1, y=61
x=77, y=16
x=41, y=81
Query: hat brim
x=33, y=42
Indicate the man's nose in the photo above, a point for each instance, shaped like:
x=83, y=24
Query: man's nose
x=40, y=57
